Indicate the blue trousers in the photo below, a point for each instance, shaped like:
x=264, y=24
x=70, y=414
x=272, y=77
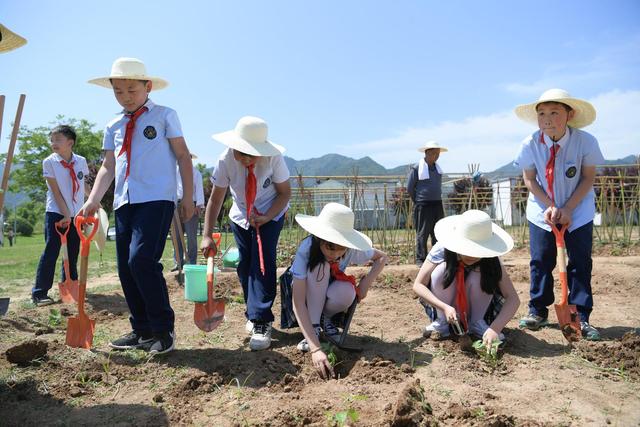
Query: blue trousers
x=543, y=260
x=47, y=265
x=141, y=233
x=259, y=291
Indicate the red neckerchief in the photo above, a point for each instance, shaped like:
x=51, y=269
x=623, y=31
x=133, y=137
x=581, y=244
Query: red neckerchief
x=250, y=190
x=128, y=136
x=549, y=170
x=461, y=296
x=74, y=179
x=338, y=274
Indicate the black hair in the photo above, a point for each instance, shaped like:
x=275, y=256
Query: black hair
x=315, y=253
x=490, y=271
x=65, y=130
x=144, y=82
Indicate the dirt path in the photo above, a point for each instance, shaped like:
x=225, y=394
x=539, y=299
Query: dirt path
x=399, y=379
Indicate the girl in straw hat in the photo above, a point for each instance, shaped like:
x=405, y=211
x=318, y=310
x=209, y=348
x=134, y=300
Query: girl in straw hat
x=462, y=276
x=321, y=289
x=255, y=171
x=10, y=40
x=558, y=163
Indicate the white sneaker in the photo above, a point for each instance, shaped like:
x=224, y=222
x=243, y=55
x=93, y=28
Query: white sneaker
x=303, y=345
x=441, y=329
x=249, y=327
x=479, y=327
x=260, y=336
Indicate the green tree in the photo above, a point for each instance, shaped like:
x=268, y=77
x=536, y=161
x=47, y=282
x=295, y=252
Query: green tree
x=34, y=148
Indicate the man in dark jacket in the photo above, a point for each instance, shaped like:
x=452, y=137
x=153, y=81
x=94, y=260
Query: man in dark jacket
x=424, y=186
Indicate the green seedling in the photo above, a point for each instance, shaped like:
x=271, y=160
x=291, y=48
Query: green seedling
x=341, y=418
x=488, y=354
x=330, y=351
x=55, y=318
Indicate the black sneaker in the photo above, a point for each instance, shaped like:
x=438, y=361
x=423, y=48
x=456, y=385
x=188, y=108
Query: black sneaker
x=163, y=342
x=42, y=301
x=132, y=340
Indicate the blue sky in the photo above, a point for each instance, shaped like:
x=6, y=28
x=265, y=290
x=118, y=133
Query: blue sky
x=358, y=78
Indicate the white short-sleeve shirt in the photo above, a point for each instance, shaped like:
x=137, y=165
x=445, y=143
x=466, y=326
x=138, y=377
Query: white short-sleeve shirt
x=52, y=168
x=300, y=267
x=436, y=254
x=198, y=191
x=231, y=173
x=152, y=172
x=577, y=149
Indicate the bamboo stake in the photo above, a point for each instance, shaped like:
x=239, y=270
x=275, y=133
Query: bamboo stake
x=12, y=145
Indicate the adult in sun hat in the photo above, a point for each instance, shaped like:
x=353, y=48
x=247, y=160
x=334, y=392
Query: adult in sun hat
x=254, y=169
x=10, y=40
x=190, y=226
x=558, y=163
x=463, y=281
x=142, y=146
x=321, y=289
x=424, y=185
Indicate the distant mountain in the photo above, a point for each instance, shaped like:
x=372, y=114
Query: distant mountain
x=336, y=164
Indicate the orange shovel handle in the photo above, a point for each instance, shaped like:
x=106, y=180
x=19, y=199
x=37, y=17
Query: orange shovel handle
x=562, y=262
x=84, y=239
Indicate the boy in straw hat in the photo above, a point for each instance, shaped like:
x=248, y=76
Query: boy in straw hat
x=463, y=280
x=10, y=40
x=254, y=168
x=142, y=145
x=321, y=289
x=559, y=168
x=424, y=185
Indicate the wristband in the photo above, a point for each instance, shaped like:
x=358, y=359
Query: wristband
x=315, y=350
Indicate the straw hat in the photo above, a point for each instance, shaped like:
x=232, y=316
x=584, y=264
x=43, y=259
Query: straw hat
x=129, y=69
x=584, y=115
x=335, y=225
x=193, y=156
x=10, y=40
x=431, y=144
x=473, y=234
x=101, y=235
x=250, y=137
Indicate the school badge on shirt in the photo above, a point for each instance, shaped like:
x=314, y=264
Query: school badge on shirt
x=150, y=132
x=571, y=172
x=80, y=175
x=267, y=182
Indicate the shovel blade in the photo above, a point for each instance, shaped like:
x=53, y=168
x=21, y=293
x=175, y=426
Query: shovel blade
x=209, y=315
x=4, y=306
x=68, y=291
x=80, y=332
x=569, y=321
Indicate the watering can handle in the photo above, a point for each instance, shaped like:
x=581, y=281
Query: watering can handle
x=80, y=221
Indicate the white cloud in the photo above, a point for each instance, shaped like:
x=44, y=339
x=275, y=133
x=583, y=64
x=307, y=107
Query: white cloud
x=493, y=140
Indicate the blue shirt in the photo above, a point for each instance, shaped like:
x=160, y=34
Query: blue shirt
x=577, y=149
x=152, y=173
x=300, y=266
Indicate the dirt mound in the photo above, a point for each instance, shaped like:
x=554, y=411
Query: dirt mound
x=411, y=408
x=26, y=352
x=376, y=371
x=620, y=357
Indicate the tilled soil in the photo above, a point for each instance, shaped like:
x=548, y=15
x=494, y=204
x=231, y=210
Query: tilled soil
x=399, y=379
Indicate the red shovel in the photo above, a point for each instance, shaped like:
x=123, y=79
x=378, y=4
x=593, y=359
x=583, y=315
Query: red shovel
x=209, y=315
x=69, y=288
x=568, y=318
x=80, y=328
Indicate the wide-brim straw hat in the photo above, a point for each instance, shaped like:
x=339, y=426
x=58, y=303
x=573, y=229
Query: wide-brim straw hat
x=473, y=234
x=431, y=144
x=10, y=40
x=129, y=69
x=335, y=225
x=250, y=137
x=584, y=115
x=100, y=237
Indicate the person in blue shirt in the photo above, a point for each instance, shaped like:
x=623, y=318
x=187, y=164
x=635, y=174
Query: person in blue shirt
x=559, y=168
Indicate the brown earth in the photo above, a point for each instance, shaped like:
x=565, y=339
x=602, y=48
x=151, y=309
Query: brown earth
x=399, y=379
